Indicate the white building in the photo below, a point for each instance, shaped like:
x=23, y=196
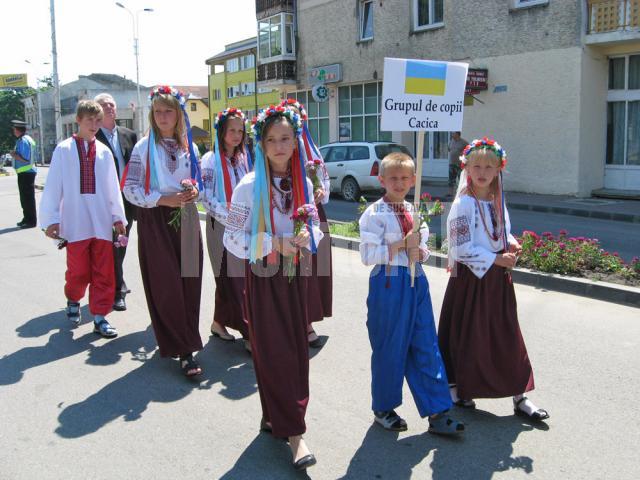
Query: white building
x=563, y=78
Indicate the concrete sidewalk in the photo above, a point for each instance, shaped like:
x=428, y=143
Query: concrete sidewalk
x=621, y=210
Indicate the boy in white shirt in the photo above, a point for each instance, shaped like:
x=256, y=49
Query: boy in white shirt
x=400, y=321
x=82, y=204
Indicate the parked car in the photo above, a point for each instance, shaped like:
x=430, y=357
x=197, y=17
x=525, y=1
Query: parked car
x=7, y=160
x=354, y=166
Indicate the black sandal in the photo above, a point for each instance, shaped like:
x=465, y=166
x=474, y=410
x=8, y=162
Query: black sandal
x=190, y=367
x=538, y=415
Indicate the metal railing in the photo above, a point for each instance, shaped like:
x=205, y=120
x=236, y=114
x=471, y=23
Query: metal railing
x=613, y=15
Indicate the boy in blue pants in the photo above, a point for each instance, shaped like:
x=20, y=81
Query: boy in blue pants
x=400, y=317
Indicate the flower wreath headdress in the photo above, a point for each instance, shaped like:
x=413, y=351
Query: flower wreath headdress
x=226, y=113
x=167, y=90
x=292, y=102
x=484, y=143
x=272, y=111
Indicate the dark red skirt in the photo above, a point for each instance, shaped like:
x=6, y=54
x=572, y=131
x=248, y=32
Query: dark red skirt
x=276, y=310
x=172, y=277
x=229, y=272
x=321, y=279
x=479, y=335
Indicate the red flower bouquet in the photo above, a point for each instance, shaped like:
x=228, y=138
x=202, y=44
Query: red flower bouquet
x=300, y=217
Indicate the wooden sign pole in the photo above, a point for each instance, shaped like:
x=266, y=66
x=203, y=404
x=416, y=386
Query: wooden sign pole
x=416, y=197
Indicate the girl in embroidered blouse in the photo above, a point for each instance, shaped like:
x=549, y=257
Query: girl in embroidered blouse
x=222, y=170
x=320, y=302
x=479, y=334
x=170, y=255
x=260, y=228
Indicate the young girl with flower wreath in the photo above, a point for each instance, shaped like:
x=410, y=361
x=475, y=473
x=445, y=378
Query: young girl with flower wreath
x=479, y=334
x=320, y=304
x=222, y=170
x=161, y=164
x=261, y=227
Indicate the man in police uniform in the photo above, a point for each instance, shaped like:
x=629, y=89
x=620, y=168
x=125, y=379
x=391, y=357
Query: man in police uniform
x=120, y=141
x=24, y=163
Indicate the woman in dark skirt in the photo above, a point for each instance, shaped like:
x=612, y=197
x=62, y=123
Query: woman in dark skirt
x=479, y=334
x=260, y=227
x=222, y=170
x=162, y=176
x=320, y=304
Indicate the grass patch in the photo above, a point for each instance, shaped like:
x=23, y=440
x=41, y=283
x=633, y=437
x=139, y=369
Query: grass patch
x=344, y=229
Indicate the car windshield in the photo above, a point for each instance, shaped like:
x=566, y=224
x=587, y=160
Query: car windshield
x=384, y=150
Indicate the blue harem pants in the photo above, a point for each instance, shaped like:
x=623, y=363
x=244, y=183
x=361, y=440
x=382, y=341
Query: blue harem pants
x=404, y=343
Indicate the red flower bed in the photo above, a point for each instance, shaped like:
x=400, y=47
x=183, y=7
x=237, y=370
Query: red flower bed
x=577, y=256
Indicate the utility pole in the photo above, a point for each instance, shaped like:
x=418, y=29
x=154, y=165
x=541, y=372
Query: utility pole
x=57, y=111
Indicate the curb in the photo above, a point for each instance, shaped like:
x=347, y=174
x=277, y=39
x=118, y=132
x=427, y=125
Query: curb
x=608, y=292
x=577, y=212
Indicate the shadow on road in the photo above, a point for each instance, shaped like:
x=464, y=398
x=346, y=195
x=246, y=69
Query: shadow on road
x=9, y=230
x=265, y=458
x=62, y=344
x=486, y=448
x=156, y=380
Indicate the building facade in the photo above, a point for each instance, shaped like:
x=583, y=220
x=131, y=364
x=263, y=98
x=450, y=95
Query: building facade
x=562, y=78
x=232, y=81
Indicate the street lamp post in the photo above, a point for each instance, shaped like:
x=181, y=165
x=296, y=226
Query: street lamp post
x=40, y=124
x=134, y=20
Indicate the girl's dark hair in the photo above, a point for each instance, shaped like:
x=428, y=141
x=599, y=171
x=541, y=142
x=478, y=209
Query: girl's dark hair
x=222, y=131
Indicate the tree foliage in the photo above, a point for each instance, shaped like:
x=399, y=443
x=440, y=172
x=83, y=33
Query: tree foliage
x=11, y=108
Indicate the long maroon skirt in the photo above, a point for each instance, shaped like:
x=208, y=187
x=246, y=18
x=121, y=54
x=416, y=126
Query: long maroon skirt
x=276, y=310
x=479, y=335
x=172, y=277
x=229, y=272
x=320, y=302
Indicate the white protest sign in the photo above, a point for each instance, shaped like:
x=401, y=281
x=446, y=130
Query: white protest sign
x=422, y=95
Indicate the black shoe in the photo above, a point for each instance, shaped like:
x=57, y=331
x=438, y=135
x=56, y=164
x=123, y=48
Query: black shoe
x=305, y=462
x=119, y=305
x=20, y=223
x=27, y=225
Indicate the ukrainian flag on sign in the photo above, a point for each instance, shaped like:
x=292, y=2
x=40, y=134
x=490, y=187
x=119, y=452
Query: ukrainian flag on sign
x=425, y=78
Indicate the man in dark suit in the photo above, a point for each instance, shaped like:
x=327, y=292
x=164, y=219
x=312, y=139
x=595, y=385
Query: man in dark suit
x=120, y=141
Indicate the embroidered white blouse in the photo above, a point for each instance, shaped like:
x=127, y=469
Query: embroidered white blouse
x=379, y=227
x=170, y=174
x=469, y=243
x=237, y=235
x=216, y=209
x=81, y=216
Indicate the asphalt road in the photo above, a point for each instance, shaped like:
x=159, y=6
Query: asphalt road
x=621, y=237
x=76, y=406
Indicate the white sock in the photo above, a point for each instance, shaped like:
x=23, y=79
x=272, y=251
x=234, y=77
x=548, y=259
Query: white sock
x=526, y=406
x=453, y=391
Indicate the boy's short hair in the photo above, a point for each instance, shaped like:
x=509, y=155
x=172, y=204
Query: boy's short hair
x=87, y=108
x=395, y=160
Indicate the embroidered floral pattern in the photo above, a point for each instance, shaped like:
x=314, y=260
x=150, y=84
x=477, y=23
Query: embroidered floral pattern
x=237, y=217
x=459, y=231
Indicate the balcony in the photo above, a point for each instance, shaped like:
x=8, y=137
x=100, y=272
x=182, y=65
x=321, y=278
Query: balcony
x=267, y=8
x=277, y=73
x=612, y=22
